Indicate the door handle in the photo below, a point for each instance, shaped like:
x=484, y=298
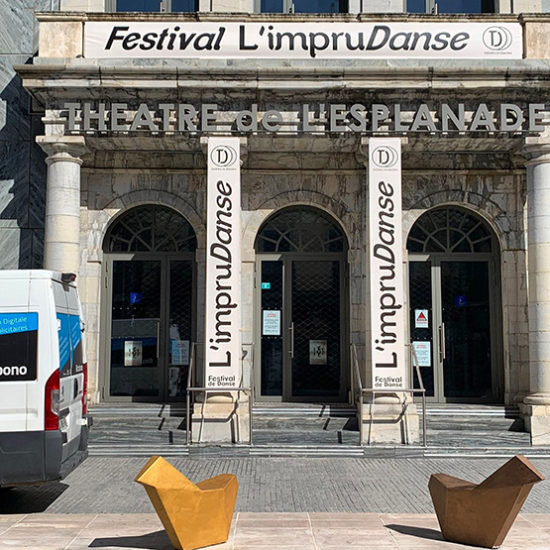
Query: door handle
x=158, y=339
x=442, y=350
x=291, y=350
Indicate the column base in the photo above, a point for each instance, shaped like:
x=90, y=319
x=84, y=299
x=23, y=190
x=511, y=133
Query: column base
x=390, y=423
x=215, y=422
x=537, y=422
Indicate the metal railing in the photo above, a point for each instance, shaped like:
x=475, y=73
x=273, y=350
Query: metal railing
x=373, y=391
x=192, y=389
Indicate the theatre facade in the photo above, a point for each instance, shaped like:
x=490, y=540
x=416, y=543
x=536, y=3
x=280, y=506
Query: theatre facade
x=267, y=281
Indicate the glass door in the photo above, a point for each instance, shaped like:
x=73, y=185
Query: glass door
x=466, y=329
x=151, y=327
x=314, y=330
x=301, y=318
x=136, y=313
x=451, y=305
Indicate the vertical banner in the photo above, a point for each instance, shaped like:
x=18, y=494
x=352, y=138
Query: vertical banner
x=223, y=264
x=387, y=319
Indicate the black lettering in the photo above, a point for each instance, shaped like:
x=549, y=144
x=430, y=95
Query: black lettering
x=372, y=45
x=114, y=36
x=457, y=39
x=129, y=41
x=242, y=40
x=224, y=188
x=148, y=41
x=441, y=38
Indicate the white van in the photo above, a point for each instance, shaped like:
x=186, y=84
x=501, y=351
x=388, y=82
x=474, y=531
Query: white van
x=43, y=377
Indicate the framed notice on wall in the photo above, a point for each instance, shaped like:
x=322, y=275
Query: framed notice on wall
x=133, y=353
x=317, y=352
x=271, y=322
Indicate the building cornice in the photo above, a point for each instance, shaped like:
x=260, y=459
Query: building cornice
x=286, y=17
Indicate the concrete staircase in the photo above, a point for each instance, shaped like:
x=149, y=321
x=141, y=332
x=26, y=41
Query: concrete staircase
x=310, y=430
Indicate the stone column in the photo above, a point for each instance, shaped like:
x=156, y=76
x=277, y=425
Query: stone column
x=223, y=416
x=391, y=417
x=62, y=223
x=536, y=407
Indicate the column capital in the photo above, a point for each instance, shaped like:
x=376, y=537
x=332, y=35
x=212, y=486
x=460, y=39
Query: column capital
x=536, y=150
x=63, y=148
x=362, y=152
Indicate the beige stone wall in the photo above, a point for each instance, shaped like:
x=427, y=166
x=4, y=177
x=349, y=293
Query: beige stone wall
x=83, y=5
x=496, y=196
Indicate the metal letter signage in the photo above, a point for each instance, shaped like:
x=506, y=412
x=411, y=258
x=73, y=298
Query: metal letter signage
x=273, y=39
x=386, y=265
x=223, y=264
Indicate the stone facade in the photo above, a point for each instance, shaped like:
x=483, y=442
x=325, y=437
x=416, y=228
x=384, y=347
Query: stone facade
x=483, y=173
x=22, y=168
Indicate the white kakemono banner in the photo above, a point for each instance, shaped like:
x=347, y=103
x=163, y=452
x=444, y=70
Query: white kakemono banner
x=305, y=40
x=387, y=319
x=223, y=264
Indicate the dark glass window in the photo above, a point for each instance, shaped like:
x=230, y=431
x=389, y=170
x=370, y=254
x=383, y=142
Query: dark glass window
x=320, y=6
x=184, y=5
x=449, y=229
x=151, y=229
x=304, y=6
x=156, y=5
x=416, y=6
x=451, y=6
x=272, y=6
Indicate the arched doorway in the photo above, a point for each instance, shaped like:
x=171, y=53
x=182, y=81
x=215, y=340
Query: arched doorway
x=301, y=307
x=454, y=315
x=150, y=304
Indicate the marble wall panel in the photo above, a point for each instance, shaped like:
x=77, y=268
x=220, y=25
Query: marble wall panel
x=14, y=183
x=18, y=27
x=14, y=100
x=9, y=245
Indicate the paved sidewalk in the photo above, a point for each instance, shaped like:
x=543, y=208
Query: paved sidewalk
x=256, y=531
x=357, y=485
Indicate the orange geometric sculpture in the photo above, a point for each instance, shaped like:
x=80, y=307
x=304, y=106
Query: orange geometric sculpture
x=481, y=515
x=194, y=516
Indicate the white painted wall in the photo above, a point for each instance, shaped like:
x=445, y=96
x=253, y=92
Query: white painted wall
x=376, y=6
x=83, y=5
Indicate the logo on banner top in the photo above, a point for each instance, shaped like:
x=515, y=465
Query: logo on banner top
x=223, y=156
x=385, y=156
x=497, y=38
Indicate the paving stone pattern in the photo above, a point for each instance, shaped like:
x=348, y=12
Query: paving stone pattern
x=105, y=485
x=254, y=531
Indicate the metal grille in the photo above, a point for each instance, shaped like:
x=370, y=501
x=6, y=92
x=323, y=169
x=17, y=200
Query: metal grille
x=180, y=325
x=316, y=317
x=299, y=229
x=151, y=229
x=448, y=230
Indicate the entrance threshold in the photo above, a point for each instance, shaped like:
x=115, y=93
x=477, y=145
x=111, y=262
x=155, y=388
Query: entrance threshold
x=309, y=430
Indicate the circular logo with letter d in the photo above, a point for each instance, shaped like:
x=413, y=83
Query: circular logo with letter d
x=223, y=156
x=497, y=38
x=385, y=156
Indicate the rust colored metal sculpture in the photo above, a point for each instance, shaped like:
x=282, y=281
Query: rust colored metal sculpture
x=481, y=515
x=194, y=516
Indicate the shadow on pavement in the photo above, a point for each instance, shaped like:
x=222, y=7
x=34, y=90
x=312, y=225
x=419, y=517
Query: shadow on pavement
x=28, y=500
x=420, y=532
x=152, y=541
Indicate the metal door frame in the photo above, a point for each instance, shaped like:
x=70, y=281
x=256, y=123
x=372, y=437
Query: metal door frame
x=106, y=319
x=495, y=324
x=287, y=258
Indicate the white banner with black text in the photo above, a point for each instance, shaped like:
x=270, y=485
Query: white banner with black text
x=387, y=320
x=303, y=40
x=223, y=264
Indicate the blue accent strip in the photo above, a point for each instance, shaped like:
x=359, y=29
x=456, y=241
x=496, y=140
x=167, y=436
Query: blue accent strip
x=69, y=336
x=63, y=337
x=10, y=323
